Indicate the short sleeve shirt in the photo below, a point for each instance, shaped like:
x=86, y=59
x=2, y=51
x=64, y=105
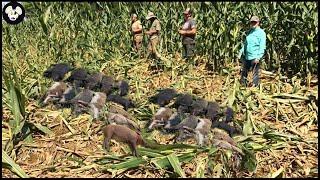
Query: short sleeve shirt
x=189, y=25
x=136, y=25
x=155, y=26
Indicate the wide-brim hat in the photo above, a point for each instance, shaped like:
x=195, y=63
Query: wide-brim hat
x=254, y=18
x=150, y=15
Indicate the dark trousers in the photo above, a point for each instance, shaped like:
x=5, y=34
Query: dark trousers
x=247, y=65
x=188, y=50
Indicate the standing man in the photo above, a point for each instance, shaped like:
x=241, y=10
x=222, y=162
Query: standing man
x=253, y=50
x=188, y=32
x=137, y=33
x=154, y=33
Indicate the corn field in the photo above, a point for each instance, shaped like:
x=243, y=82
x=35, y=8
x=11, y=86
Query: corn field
x=279, y=121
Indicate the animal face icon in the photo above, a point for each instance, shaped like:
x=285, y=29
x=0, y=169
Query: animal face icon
x=13, y=14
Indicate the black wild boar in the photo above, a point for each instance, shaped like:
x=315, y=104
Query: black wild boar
x=164, y=97
x=57, y=71
x=78, y=77
x=81, y=101
x=123, y=87
x=212, y=111
x=107, y=85
x=122, y=101
x=229, y=114
x=183, y=100
x=93, y=82
x=174, y=120
x=199, y=107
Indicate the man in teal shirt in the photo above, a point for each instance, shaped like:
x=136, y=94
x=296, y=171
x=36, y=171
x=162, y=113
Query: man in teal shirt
x=253, y=50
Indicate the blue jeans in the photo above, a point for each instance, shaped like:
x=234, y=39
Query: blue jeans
x=247, y=65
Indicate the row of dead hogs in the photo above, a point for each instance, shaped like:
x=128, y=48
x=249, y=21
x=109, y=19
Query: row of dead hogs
x=189, y=116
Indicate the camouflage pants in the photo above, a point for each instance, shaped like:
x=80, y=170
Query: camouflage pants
x=137, y=43
x=152, y=47
x=188, y=50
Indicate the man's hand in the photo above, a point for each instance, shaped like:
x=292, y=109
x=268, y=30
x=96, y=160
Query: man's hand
x=182, y=32
x=256, y=61
x=148, y=32
x=239, y=55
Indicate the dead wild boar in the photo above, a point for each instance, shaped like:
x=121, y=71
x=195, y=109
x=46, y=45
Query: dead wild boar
x=93, y=82
x=199, y=107
x=78, y=77
x=160, y=118
x=107, y=85
x=81, y=101
x=174, y=120
x=120, y=100
x=184, y=127
x=212, y=111
x=57, y=71
x=121, y=120
x=97, y=103
x=123, y=87
x=202, y=130
x=164, y=97
x=54, y=93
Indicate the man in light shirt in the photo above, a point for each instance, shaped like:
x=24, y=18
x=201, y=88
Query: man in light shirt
x=188, y=33
x=253, y=50
x=137, y=33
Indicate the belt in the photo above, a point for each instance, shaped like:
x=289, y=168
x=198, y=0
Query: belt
x=139, y=32
x=190, y=36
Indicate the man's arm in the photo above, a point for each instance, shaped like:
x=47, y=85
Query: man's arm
x=262, y=45
x=193, y=30
x=138, y=28
x=158, y=28
x=241, y=51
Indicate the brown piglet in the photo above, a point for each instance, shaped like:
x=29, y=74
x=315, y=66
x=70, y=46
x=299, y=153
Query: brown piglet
x=122, y=134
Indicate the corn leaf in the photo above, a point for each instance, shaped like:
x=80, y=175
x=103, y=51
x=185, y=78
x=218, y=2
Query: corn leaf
x=174, y=161
x=13, y=166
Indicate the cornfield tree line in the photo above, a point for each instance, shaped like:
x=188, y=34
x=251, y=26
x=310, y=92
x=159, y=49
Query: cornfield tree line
x=77, y=29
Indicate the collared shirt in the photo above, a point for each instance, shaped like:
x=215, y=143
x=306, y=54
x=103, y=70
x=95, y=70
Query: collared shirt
x=155, y=26
x=135, y=26
x=254, y=45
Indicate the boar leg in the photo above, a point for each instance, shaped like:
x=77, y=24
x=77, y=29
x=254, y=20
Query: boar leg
x=106, y=143
x=46, y=100
x=95, y=111
x=200, y=138
x=133, y=147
